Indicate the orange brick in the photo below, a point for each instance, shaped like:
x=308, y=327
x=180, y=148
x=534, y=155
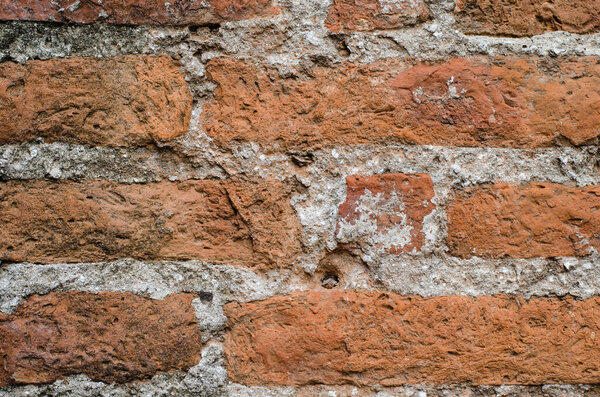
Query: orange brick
x=386, y=211
x=110, y=337
x=130, y=100
x=527, y=17
x=505, y=102
x=135, y=12
x=371, y=338
x=250, y=224
x=536, y=220
x=366, y=15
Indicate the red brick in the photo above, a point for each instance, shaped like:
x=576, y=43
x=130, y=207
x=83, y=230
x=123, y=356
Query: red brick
x=527, y=17
x=242, y=223
x=386, y=211
x=370, y=338
x=366, y=15
x=135, y=12
x=110, y=337
x=122, y=101
x=504, y=102
x=536, y=220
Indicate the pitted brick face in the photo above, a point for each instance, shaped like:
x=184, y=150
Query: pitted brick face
x=368, y=15
x=135, y=12
x=535, y=220
x=374, y=338
x=386, y=212
x=527, y=17
x=131, y=100
x=474, y=102
x=110, y=337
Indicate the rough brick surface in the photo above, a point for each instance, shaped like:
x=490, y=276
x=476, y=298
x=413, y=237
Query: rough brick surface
x=506, y=102
x=121, y=101
x=248, y=224
x=386, y=211
x=366, y=15
x=391, y=197
x=134, y=12
x=371, y=338
x=112, y=336
x=527, y=17
x=539, y=219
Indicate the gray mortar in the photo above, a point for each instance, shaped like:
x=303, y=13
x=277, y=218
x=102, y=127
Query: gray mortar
x=453, y=166
x=154, y=279
x=235, y=390
x=65, y=161
x=578, y=277
x=293, y=42
x=22, y=41
x=295, y=37
x=203, y=380
x=408, y=275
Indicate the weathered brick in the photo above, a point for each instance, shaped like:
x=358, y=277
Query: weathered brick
x=366, y=15
x=386, y=211
x=504, y=102
x=370, y=338
x=243, y=223
x=120, y=101
x=527, y=17
x=110, y=337
x=536, y=220
x=135, y=12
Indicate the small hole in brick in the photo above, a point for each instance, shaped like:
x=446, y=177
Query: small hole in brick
x=330, y=280
x=205, y=296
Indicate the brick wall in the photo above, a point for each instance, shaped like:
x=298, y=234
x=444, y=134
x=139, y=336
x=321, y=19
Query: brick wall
x=300, y=198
